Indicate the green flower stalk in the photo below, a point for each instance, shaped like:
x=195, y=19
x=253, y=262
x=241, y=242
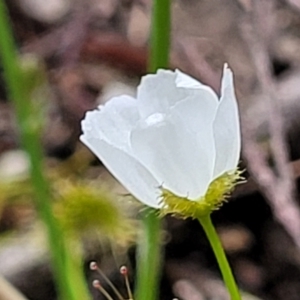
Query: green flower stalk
x=21, y=82
x=149, y=250
x=218, y=250
x=149, y=253
x=201, y=209
x=160, y=35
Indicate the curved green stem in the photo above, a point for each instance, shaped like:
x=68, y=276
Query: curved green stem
x=220, y=256
x=149, y=257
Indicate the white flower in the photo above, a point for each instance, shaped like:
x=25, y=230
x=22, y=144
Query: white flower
x=177, y=135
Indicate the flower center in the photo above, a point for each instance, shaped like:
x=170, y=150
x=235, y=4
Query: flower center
x=217, y=193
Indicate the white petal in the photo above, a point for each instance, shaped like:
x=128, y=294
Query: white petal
x=185, y=81
x=157, y=93
x=113, y=121
x=198, y=112
x=227, y=128
x=129, y=172
x=172, y=153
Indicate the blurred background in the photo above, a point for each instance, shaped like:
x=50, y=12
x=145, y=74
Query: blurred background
x=84, y=53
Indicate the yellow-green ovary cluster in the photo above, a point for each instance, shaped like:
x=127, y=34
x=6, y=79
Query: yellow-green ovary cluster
x=217, y=193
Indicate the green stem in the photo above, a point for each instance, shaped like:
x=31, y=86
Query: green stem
x=160, y=35
x=149, y=257
x=30, y=137
x=221, y=257
x=149, y=247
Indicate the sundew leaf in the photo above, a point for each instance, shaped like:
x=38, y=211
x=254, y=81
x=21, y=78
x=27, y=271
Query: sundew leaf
x=83, y=209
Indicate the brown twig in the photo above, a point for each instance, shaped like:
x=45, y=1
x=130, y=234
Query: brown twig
x=8, y=292
x=186, y=290
x=194, y=282
x=186, y=53
x=295, y=4
x=276, y=184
